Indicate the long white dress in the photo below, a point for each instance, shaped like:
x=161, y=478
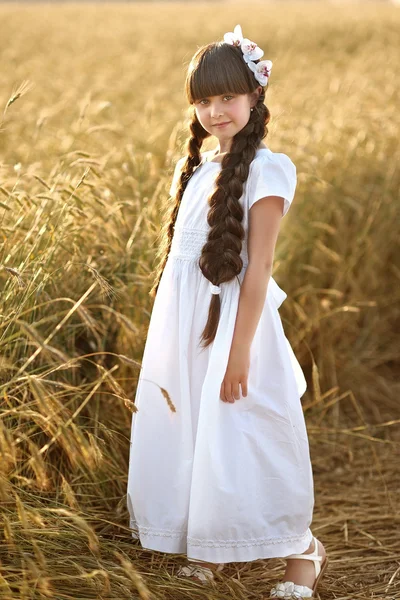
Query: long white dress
x=220, y=482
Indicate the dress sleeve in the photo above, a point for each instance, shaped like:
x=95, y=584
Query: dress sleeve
x=273, y=175
x=176, y=176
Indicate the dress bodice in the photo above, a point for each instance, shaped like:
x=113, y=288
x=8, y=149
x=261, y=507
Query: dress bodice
x=270, y=174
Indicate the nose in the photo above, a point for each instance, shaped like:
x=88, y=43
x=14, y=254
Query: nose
x=216, y=110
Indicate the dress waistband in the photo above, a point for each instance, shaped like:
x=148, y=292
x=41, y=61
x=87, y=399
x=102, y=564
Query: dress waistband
x=187, y=244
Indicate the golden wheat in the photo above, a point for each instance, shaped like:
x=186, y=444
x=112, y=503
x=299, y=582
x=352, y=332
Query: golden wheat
x=93, y=122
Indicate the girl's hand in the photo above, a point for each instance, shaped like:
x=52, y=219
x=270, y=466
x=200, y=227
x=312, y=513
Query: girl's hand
x=236, y=373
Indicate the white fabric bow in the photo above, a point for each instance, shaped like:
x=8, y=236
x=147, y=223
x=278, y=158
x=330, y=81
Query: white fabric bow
x=251, y=52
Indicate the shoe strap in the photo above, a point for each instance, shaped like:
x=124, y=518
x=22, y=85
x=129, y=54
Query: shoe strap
x=203, y=573
x=314, y=556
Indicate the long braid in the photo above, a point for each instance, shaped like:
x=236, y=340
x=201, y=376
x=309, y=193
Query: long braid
x=215, y=69
x=193, y=145
x=220, y=259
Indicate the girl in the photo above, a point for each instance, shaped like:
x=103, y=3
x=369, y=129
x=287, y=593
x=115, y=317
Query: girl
x=219, y=464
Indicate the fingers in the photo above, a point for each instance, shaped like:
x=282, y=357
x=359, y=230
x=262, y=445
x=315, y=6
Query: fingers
x=226, y=395
x=236, y=391
x=231, y=391
x=222, y=393
x=228, y=392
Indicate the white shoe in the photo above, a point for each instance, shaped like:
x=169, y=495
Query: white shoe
x=291, y=590
x=198, y=572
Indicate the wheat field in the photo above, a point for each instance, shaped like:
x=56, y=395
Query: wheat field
x=93, y=120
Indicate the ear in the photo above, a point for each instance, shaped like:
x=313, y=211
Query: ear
x=255, y=95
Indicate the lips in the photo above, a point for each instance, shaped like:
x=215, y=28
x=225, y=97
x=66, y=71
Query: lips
x=222, y=124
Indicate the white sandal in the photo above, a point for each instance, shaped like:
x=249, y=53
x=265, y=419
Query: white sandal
x=290, y=590
x=203, y=574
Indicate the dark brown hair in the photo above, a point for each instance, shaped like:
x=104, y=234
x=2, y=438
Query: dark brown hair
x=215, y=69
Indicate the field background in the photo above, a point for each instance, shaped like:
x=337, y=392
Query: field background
x=93, y=119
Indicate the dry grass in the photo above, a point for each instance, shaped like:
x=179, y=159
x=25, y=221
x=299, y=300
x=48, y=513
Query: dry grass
x=93, y=120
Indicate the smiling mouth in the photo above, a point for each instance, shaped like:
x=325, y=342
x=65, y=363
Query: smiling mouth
x=220, y=124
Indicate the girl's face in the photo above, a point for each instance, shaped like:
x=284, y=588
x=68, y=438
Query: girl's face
x=230, y=111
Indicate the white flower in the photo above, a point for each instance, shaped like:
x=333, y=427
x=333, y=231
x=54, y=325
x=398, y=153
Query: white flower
x=250, y=49
x=234, y=38
x=250, y=52
x=261, y=70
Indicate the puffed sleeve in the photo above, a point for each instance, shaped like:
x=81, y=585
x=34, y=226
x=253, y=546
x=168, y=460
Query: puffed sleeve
x=176, y=176
x=272, y=175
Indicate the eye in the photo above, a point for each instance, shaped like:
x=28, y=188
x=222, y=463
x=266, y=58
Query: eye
x=204, y=100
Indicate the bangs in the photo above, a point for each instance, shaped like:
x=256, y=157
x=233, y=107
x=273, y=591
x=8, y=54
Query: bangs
x=218, y=69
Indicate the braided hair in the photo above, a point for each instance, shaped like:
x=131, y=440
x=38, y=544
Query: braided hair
x=216, y=69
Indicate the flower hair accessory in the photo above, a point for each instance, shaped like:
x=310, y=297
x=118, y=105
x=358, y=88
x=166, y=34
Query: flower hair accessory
x=251, y=52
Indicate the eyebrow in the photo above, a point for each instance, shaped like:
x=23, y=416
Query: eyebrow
x=208, y=97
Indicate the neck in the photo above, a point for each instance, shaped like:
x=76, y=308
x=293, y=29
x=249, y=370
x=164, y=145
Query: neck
x=224, y=149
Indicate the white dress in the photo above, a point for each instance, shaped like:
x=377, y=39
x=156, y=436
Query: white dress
x=220, y=482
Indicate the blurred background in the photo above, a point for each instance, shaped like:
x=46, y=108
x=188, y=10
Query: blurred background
x=93, y=120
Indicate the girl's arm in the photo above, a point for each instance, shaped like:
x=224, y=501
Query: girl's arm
x=264, y=222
